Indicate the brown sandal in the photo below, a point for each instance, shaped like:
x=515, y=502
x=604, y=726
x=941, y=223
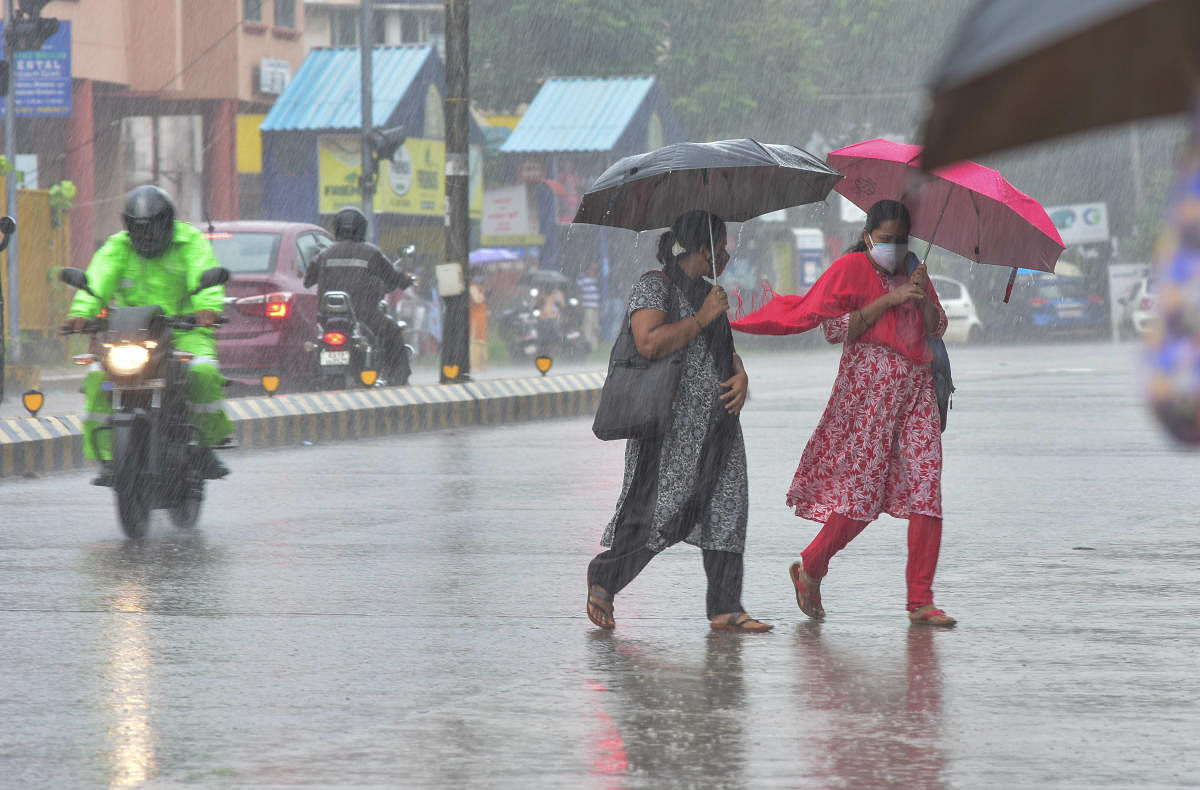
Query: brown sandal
x=740, y=621
x=930, y=615
x=808, y=592
x=600, y=607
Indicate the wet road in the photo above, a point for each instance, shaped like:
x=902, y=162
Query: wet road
x=408, y=612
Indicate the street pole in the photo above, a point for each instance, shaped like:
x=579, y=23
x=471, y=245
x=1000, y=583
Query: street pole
x=452, y=275
x=10, y=202
x=365, y=44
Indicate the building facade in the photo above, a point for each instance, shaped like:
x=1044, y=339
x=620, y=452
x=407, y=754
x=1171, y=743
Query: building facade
x=157, y=87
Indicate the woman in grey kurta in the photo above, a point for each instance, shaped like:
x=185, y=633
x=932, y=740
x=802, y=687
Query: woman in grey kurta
x=691, y=484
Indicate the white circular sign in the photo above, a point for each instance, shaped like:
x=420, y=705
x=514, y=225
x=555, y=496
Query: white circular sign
x=400, y=173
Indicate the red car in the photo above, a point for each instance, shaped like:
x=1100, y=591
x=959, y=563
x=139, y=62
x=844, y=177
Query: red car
x=270, y=312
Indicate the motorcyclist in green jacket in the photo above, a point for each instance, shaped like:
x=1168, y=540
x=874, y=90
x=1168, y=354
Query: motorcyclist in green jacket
x=156, y=261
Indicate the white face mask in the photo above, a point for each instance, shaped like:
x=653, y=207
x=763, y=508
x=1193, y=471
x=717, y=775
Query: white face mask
x=887, y=256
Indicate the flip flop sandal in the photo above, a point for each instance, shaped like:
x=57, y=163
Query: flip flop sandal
x=740, y=622
x=930, y=615
x=598, y=612
x=808, y=592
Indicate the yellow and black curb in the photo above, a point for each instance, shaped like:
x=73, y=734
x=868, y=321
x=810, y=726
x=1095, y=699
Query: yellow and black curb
x=49, y=444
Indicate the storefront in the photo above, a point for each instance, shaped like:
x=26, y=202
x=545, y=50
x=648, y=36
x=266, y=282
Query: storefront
x=312, y=157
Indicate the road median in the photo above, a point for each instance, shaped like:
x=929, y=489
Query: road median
x=33, y=446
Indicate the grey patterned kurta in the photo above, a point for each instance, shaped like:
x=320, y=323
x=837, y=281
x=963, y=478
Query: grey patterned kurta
x=723, y=526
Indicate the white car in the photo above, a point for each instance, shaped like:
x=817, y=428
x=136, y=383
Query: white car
x=962, y=321
x=1137, y=309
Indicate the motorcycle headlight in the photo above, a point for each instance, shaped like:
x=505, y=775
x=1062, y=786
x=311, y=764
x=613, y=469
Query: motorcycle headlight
x=127, y=360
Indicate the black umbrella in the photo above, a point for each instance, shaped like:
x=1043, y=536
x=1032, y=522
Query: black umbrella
x=735, y=179
x=1020, y=71
x=546, y=278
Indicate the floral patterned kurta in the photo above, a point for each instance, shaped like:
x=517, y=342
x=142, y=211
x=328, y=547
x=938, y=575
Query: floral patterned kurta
x=878, y=446
x=723, y=527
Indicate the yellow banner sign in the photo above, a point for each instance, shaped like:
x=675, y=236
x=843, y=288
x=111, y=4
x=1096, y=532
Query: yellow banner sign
x=412, y=182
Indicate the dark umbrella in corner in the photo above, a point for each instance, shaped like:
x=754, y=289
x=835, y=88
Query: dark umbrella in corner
x=1021, y=71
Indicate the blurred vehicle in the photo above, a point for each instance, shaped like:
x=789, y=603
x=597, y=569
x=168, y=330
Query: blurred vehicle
x=1044, y=305
x=528, y=333
x=270, y=313
x=962, y=320
x=347, y=347
x=1137, y=309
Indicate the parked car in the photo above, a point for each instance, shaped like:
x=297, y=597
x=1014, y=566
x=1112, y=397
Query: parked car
x=1044, y=305
x=962, y=320
x=1137, y=309
x=271, y=314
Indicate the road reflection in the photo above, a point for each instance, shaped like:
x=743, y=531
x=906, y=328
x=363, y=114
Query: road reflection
x=138, y=581
x=865, y=721
x=665, y=720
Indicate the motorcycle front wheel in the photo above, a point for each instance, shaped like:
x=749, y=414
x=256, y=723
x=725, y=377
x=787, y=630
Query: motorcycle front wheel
x=130, y=481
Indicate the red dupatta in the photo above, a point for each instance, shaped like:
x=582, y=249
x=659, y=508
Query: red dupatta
x=850, y=283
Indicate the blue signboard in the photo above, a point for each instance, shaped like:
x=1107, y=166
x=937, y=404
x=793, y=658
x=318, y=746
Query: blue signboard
x=43, y=77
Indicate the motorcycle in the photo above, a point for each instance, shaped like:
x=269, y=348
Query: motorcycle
x=527, y=334
x=348, y=351
x=157, y=455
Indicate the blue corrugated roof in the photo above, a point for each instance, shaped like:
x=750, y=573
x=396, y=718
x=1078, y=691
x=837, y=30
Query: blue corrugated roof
x=579, y=114
x=325, y=92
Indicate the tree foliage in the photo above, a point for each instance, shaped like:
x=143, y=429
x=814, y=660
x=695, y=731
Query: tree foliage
x=517, y=44
x=815, y=73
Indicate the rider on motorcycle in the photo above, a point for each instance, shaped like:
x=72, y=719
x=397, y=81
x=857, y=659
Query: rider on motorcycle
x=359, y=268
x=156, y=261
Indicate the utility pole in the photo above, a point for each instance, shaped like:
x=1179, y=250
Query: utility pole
x=452, y=275
x=367, y=181
x=10, y=201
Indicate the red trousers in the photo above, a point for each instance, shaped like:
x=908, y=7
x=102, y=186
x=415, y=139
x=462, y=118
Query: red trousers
x=924, y=543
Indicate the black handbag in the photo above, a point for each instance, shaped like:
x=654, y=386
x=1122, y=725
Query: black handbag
x=943, y=382
x=638, y=395
x=939, y=366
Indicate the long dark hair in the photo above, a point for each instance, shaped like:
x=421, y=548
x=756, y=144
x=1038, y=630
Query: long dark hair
x=691, y=231
x=881, y=212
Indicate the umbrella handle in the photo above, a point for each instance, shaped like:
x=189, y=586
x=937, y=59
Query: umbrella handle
x=938, y=224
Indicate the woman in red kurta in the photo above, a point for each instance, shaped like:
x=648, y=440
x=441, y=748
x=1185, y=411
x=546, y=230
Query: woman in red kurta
x=877, y=448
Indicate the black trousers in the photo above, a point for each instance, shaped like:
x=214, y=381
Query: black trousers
x=390, y=341
x=619, y=565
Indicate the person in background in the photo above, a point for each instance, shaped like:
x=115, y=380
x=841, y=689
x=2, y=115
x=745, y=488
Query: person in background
x=354, y=265
x=156, y=260
x=588, y=284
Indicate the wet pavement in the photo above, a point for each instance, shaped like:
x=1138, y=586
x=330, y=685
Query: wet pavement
x=408, y=612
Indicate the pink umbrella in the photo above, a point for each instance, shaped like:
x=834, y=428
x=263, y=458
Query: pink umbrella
x=965, y=207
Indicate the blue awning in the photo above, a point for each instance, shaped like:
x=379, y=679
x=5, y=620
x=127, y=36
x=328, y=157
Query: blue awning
x=579, y=114
x=324, y=94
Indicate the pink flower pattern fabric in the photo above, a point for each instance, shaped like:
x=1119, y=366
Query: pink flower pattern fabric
x=878, y=446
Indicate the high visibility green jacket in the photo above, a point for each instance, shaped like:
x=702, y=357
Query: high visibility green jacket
x=117, y=273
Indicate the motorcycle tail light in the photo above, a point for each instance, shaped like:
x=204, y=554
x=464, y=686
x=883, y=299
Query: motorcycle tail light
x=277, y=305
x=334, y=338
x=127, y=359
x=1146, y=304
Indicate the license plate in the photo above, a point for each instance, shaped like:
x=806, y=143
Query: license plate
x=1070, y=312
x=335, y=357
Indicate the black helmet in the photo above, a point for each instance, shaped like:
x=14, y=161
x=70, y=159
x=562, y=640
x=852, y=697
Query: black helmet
x=350, y=224
x=150, y=219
